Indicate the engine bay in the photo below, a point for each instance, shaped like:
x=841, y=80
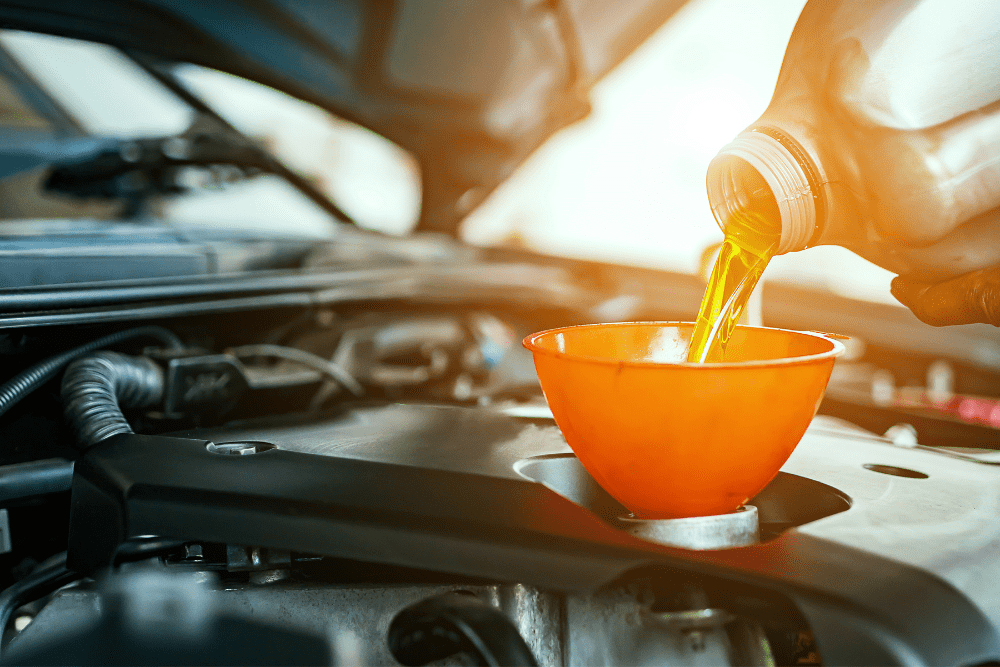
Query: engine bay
x=237, y=426
x=364, y=484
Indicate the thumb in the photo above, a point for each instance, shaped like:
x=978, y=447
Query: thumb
x=973, y=297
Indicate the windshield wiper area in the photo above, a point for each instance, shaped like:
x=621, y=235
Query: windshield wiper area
x=139, y=168
x=133, y=170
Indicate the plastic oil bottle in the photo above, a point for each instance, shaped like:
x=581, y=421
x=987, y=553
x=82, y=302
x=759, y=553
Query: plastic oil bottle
x=883, y=136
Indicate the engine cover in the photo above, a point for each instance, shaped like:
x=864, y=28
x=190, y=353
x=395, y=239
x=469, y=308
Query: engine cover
x=475, y=492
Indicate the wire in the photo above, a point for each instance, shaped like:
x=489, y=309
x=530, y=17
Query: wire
x=308, y=359
x=31, y=379
x=143, y=548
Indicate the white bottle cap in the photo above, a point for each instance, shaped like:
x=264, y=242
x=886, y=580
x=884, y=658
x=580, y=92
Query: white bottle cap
x=781, y=171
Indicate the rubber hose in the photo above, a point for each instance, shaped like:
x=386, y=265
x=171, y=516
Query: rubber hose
x=142, y=548
x=95, y=388
x=28, y=380
x=438, y=627
x=35, y=478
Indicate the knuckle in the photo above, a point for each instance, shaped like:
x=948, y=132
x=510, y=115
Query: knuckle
x=985, y=297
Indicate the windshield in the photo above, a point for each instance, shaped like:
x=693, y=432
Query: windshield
x=624, y=185
x=57, y=93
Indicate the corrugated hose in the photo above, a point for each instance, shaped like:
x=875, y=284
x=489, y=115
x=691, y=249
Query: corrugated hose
x=30, y=379
x=95, y=388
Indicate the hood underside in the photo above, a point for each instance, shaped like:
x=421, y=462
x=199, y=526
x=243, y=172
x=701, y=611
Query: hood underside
x=470, y=87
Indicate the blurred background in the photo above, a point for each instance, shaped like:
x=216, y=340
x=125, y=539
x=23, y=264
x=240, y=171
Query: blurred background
x=625, y=185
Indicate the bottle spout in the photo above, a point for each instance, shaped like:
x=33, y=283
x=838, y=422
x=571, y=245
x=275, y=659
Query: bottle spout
x=761, y=174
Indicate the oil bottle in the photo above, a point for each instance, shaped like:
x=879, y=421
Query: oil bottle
x=883, y=136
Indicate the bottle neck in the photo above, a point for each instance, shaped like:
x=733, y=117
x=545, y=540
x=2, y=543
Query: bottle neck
x=736, y=186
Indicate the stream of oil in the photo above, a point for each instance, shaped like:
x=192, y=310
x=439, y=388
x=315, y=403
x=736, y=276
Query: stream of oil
x=748, y=247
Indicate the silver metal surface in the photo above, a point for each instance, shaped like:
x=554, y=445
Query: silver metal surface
x=696, y=624
x=720, y=531
x=537, y=615
x=256, y=559
x=356, y=618
x=946, y=524
x=609, y=627
x=615, y=628
x=244, y=448
x=696, y=619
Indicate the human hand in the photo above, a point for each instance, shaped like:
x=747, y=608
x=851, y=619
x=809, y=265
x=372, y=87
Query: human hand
x=969, y=298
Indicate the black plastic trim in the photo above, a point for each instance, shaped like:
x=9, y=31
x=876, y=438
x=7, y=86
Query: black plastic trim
x=861, y=607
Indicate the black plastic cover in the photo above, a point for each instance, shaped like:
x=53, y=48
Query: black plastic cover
x=862, y=608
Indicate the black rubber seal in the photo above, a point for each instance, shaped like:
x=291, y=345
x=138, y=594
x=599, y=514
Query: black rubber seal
x=812, y=177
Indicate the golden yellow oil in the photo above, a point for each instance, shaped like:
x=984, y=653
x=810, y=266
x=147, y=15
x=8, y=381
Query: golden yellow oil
x=752, y=223
x=742, y=259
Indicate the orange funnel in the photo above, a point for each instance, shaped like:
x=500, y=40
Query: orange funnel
x=672, y=439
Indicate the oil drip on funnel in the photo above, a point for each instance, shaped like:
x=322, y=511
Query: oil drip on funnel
x=673, y=439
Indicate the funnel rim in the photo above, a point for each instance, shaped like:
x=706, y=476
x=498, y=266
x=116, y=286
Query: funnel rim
x=837, y=348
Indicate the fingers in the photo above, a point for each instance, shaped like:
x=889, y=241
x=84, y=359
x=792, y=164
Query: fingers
x=970, y=298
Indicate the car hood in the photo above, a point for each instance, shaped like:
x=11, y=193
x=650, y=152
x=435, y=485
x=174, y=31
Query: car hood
x=470, y=87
